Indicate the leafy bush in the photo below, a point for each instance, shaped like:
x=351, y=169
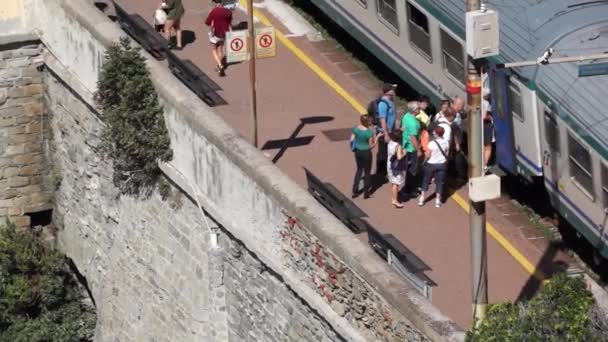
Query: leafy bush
x=39, y=298
x=135, y=136
x=560, y=311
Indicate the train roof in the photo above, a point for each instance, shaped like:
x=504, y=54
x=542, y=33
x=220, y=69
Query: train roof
x=571, y=28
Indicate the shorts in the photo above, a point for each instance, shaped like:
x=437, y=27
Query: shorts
x=213, y=39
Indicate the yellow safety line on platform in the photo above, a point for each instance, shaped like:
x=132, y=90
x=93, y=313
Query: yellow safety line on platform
x=308, y=61
x=501, y=239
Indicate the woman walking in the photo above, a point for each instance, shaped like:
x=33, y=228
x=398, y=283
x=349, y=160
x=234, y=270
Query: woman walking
x=362, y=141
x=396, y=167
x=175, y=12
x=436, y=166
x=219, y=21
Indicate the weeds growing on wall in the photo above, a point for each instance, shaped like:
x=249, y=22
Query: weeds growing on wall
x=40, y=299
x=135, y=136
x=562, y=310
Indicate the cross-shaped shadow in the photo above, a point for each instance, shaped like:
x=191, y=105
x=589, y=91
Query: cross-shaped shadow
x=294, y=140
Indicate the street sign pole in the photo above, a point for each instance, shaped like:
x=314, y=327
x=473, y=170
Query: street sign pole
x=251, y=47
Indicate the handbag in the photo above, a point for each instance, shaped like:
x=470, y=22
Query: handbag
x=352, y=146
x=398, y=164
x=160, y=17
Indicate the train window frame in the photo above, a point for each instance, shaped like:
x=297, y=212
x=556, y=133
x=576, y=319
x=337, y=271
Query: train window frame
x=515, y=92
x=391, y=26
x=459, y=78
x=363, y=3
x=415, y=28
x=604, y=171
x=574, y=164
x=549, y=119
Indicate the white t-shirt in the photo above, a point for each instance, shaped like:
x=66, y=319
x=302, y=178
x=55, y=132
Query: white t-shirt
x=436, y=157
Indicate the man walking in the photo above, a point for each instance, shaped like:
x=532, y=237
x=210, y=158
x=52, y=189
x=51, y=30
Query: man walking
x=386, y=124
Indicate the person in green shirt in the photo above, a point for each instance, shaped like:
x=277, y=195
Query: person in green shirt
x=411, y=142
x=363, y=140
x=175, y=12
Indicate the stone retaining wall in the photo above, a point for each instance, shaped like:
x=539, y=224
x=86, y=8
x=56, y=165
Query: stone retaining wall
x=23, y=127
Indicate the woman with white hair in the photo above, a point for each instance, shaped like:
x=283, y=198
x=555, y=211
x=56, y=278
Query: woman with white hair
x=411, y=143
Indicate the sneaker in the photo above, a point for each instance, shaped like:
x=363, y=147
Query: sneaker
x=437, y=202
x=421, y=201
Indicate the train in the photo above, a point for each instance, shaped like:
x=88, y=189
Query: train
x=551, y=124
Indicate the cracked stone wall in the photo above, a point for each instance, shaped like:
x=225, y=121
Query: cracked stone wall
x=23, y=127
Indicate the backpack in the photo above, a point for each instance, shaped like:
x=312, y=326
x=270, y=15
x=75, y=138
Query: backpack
x=372, y=109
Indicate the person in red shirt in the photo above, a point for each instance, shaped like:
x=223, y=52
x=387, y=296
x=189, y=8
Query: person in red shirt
x=220, y=21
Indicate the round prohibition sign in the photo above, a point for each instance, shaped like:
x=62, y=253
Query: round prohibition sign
x=265, y=40
x=236, y=44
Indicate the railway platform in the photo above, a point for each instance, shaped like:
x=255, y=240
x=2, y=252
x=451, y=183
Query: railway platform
x=313, y=89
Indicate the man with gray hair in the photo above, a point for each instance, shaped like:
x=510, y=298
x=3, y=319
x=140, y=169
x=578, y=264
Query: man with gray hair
x=411, y=142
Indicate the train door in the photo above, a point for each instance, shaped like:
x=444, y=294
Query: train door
x=526, y=130
x=503, y=123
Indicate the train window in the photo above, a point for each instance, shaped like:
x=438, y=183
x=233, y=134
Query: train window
x=580, y=165
x=515, y=97
x=605, y=184
x=453, y=58
x=387, y=9
x=552, y=132
x=363, y=3
x=498, y=98
x=418, y=26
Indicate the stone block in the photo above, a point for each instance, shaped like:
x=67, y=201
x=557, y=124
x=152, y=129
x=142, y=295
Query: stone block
x=8, y=122
x=16, y=92
x=33, y=89
x=20, y=221
x=28, y=170
x=11, y=111
x=10, y=172
x=15, y=211
x=25, y=138
x=7, y=194
x=32, y=189
x=12, y=150
x=17, y=129
x=33, y=147
x=30, y=71
x=19, y=62
x=17, y=181
x=10, y=74
x=3, y=212
x=24, y=159
x=33, y=108
x=33, y=127
x=3, y=95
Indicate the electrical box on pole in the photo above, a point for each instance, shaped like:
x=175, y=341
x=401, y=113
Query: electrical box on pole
x=482, y=33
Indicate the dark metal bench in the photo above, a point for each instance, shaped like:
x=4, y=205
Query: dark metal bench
x=195, y=79
x=142, y=32
x=406, y=263
x=338, y=204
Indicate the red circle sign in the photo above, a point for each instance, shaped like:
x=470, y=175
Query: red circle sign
x=265, y=40
x=236, y=44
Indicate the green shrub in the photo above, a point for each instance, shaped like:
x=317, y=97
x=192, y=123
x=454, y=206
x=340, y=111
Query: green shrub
x=39, y=298
x=135, y=135
x=560, y=311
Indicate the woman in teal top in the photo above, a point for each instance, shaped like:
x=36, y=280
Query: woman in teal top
x=363, y=140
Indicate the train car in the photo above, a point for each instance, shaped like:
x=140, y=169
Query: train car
x=551, y=124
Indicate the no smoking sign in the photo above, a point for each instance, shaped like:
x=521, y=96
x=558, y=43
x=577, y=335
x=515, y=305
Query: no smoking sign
x=237, y=44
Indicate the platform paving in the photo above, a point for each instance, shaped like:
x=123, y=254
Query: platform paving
x=288, y=91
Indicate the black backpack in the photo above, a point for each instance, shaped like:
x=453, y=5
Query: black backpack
x=372, y=109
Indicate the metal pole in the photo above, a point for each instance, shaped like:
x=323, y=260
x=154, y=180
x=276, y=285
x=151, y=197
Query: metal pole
x=477, y=213
x=555, y=61
x=254, y=110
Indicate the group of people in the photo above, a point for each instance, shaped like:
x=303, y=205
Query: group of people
x=413, y=149
x=167, y=20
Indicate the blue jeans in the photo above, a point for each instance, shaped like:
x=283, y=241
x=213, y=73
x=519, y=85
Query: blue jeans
x=437, y=170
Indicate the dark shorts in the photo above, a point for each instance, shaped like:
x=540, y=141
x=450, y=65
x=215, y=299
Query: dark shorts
x=488, y=133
